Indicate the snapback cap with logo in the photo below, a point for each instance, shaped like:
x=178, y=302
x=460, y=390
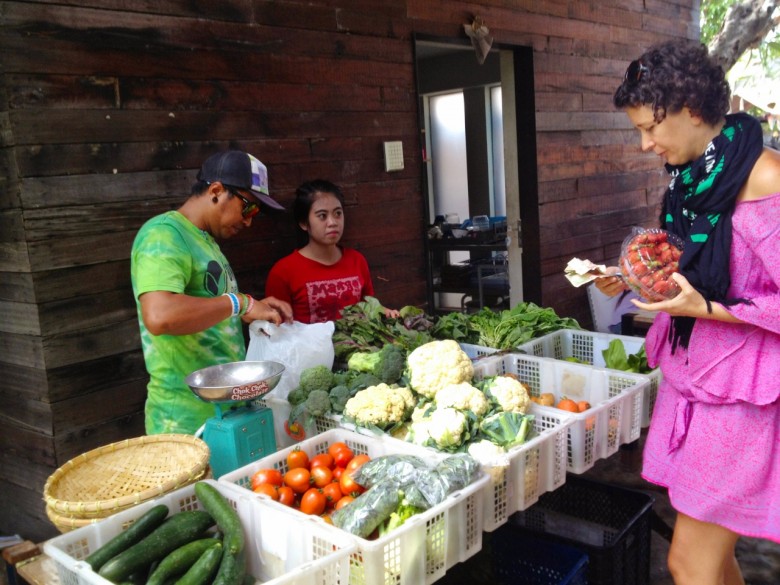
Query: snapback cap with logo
x=235, y=168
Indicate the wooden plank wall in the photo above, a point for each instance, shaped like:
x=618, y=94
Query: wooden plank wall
x=108, y=107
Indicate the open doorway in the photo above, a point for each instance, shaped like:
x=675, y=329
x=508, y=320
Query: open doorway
x=478, y=131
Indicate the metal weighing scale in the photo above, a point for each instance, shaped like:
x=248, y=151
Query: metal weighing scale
x=241, y=431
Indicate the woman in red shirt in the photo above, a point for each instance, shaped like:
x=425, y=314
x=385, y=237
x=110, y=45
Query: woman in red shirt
x=322, y=277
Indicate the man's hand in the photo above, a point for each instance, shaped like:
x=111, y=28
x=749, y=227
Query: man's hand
x=270, y=309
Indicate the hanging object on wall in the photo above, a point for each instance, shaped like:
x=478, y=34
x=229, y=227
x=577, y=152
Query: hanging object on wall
x=480, y=36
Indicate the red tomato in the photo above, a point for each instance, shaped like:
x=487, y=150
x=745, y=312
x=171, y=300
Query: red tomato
x=298, y=479
x=324, y=459
x=297, y=458
x=313, y=502
x=321, y=476
x=332, y=493
x=343, y=456
x=344, y=501
x=337, y=446
x=267, y=489
x=349, y=487
x=286, y=495
x=337, y=471
x=266, y=475
x=355, y=463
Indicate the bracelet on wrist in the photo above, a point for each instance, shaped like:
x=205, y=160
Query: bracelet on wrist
x=250, y=304
x=235, y=304
x=242, y=304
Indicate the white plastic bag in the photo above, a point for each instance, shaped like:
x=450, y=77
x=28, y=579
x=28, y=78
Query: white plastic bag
x=295, y=345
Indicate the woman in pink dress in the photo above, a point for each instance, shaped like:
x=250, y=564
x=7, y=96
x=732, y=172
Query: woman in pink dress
x=714, y=437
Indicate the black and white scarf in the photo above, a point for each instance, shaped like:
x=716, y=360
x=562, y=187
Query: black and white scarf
x=698, y=207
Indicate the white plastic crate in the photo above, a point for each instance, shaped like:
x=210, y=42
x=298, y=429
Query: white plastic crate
x=527, y=471
x=476, y=352
x=286, y=437
x=418, y=552
x=588, y=346
x=279, y=549
x=615, y=399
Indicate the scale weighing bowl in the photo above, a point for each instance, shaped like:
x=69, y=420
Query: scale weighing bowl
x=236, y=381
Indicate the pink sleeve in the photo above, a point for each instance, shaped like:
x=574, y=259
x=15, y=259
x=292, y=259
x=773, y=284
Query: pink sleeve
x=756, y=259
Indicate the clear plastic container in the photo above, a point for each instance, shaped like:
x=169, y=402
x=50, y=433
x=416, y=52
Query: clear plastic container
x=648, y=258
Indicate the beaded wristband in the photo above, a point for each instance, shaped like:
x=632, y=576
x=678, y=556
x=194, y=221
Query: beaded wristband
x=244, y=302
x=250, y=304
x=234, y=303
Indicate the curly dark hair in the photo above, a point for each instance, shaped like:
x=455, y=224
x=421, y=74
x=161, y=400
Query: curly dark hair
x=673, y=75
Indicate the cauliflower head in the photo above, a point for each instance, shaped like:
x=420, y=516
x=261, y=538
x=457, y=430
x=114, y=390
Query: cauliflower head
x=484, y=450
x=437, y=364
x=447, y=427
x=509, y=394
x=382, y=406
x=463, y=396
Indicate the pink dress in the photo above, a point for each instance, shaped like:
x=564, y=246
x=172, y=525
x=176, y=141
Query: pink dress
x=714, y=438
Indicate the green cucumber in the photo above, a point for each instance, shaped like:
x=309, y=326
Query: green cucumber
x=176, y=531
x=202, y=572
x=224, y=515
x=135, y=579
x=143, y=526
x=232, y=569
x=179, y=561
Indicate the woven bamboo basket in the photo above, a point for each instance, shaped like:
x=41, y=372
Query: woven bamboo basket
x=120, y=475
x=68, y=523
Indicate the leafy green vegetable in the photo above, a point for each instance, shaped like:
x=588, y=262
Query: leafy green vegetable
x=457, y=326
x=506, y=429
x=503, y=330
x=401, y=514
x=615, y=357
x=369, y=510
x=364, y=327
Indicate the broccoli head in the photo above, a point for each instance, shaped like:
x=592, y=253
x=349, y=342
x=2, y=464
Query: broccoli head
x=318, y=402
x=387, y=364
x=342, y=377
x=362, y=381
x=316, y=378
x=297, y=396
x=338, y=398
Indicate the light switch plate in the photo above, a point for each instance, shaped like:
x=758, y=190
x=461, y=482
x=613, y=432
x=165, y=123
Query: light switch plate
x=394, y=156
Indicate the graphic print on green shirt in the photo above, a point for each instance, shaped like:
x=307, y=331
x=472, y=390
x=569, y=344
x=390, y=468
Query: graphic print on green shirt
x=171, y=254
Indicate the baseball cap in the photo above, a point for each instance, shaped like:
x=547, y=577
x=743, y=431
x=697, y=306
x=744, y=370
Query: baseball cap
x=239, y=169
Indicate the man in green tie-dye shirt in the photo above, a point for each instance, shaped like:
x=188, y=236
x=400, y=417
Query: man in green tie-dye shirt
x=189, y=306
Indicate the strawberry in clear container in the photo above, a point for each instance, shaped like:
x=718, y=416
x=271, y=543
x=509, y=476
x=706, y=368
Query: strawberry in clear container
x=649, y=257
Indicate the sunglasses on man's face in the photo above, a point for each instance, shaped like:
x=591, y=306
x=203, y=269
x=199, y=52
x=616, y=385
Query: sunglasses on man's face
x=636, y=70
x=250, y=208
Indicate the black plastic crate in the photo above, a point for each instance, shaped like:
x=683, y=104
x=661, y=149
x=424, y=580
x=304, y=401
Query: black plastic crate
x=609, y=523
x=511, y=556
